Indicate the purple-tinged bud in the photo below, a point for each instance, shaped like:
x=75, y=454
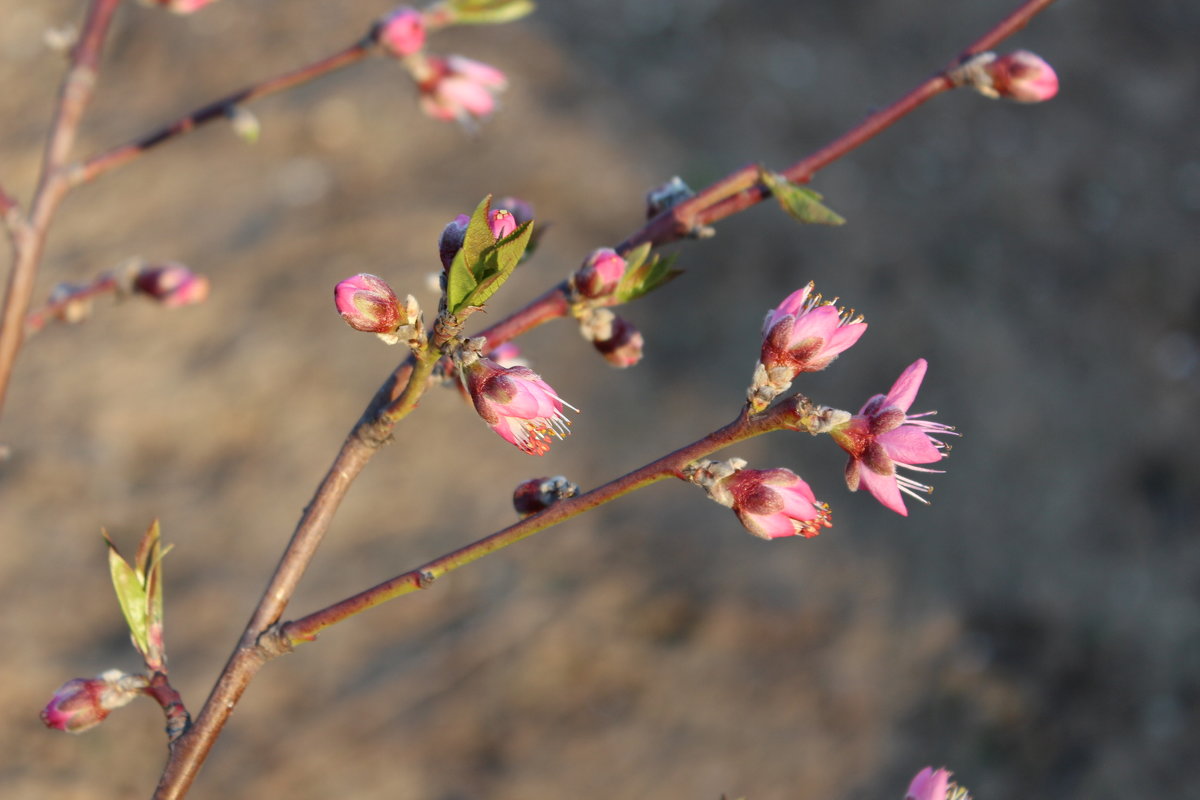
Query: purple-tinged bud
x=367, y=304
x=600, y=273
x=452, y=239
x=501, y=223
x=402, y=32
x=171, y=284
x=1023, y=76
x=83, y=703
x=615, y=338
x=538, y=494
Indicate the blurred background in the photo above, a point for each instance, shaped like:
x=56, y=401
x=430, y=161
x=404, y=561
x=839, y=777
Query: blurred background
x=1036, y=629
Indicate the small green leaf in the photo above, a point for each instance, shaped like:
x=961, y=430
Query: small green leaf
x=799, y=201
x=644, y=273
x=131, y=595
x=498, y=263
x=476, y=12
x=461, y=278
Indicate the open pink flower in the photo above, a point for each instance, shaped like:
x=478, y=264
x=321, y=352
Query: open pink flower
x=884, y=436
x=772, y=503
x=804, y=333
x=517, y=404
x=461, y=89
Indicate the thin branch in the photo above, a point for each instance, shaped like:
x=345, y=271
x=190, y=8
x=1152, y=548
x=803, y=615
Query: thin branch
x=374, y=428
x=99, y=164
x=30, y=238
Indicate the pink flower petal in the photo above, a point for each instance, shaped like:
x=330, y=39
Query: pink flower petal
x=884, y=489
x=910, y=445
x=904, y=390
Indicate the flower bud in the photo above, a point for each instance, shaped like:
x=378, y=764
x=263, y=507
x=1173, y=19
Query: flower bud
x=1023, y=76
x=600, y=273
x=770, y=503
x=83, y=703
x=367, y=304
x=501, y=223
x=614, y=337
x=520, y=209
x=538, y=494
x=171, y=284
x=182, y=6
x=452, y=239
x=402, y=32
x=517, y=404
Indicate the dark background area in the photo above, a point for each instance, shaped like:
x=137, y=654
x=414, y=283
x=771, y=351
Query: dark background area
x=1036, y=629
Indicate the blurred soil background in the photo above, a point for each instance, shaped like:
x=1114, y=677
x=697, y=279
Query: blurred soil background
x=1036, y=629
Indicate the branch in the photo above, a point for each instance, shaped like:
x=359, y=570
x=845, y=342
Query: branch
x=97, y=165
x=30, y=238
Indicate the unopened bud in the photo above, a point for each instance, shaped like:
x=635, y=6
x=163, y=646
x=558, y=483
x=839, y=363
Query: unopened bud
x=669, y=195
x=452, y=239
x=83, y=703
x=600, y=273
x=501, y=223
x=614, y=337
x=367, y=304
x=402, y=32
x=1023, y=76
x=171, y=284
x=538, y=494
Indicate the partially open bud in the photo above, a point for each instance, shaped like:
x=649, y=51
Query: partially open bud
x=171, y=284
x=614, y=337
x=83, y=703
x=461, y=89
x=402, y=32
x=521, y=210
x=367, y=304
x=516, y=403
x=770, y=503
x=599, y=274
x=501, y=223
x=538, y=494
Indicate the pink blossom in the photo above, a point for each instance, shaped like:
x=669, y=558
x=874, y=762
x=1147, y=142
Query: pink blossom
x=883, y=436
x=461, y=89
x=773, y=503
x=805, y=334
x=929, y=784
x=517, y=404
x=1023, y=76
x=367, y=303
x=83, y=703
x=402, y=32
x=501, y=223
x=600, y=273
x=171, y=284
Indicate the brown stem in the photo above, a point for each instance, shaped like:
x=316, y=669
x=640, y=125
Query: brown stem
x=744, y=427
x=59, y=306
x=219, y=109
x=164, y=694
x=30, y=238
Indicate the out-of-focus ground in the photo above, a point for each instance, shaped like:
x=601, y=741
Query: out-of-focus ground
x=1036, y=629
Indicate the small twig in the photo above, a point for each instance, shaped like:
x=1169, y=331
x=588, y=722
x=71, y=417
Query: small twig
x=72, y=301
x=30, y=238
x=176, y=712
x=99, y=164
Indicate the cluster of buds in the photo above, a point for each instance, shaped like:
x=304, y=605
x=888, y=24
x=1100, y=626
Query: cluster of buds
x=770, y=503
x=83, y=703
x=804, y=333
x=594, y=284
x=1021, y=76
x=931, y=784
x=452, y=88
x=367, y=303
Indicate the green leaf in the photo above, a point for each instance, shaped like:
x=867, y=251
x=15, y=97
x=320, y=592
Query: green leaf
x=462, y=279
x=477, y=12
x=643, y=276
x=498, y=263
x=131, y=595
x=799, y=201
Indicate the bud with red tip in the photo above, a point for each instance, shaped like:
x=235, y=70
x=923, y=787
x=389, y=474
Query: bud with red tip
x=771, y=503
x=600, y=273
x=1021, y=76
x=614, y=337
x=367, y=303
x=538, y=494
x=171, y=284
x=402, y=32
x=457, y=88
x=83, y=703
